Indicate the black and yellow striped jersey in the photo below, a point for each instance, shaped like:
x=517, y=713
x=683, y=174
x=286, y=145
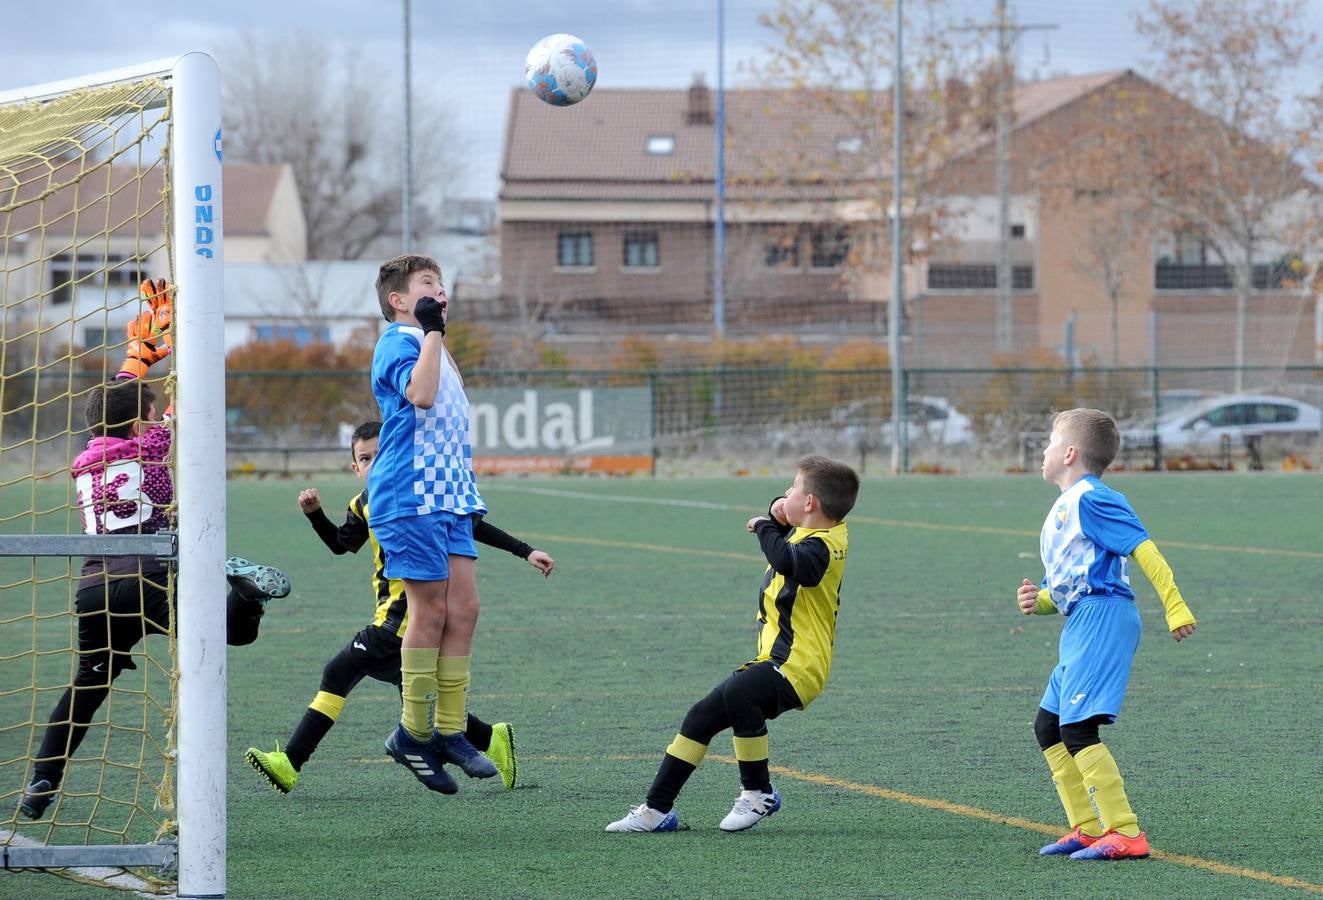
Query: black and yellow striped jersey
x=799, y=602
x=392, y=610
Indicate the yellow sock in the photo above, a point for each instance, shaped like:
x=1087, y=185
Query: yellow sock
x=1103, y=781
x=418, y=687
x=328, y=704
x=452, y=693
x=1070, y=788
x=687, y=749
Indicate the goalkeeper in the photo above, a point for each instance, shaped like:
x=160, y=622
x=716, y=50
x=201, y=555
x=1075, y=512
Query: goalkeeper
x=123, y=486
x=375, y=650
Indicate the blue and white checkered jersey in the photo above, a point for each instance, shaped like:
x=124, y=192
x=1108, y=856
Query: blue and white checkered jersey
x=424, y=459
x=1085, y=543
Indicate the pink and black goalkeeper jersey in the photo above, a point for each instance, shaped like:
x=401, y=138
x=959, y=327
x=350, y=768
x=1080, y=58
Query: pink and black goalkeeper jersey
x=123, y=486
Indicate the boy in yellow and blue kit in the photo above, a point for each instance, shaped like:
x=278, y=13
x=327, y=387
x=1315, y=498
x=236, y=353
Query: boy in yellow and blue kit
x=1085, y=542
x=805, y=540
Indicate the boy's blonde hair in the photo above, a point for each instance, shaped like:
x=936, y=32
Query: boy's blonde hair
x=834, y=484
x=393, y=278
x=1094, y=434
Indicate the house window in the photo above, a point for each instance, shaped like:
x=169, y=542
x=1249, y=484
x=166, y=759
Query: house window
x=660, y=144
x=782, y=253
x=574, y=249
x=299, y=335
x=1190, y=249
x=830, y=247
x=641, y=249
x=94, y=338
x=114, y=271
x=1017, y=231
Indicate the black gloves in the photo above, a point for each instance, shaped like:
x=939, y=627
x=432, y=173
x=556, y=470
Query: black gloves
x=430, y=315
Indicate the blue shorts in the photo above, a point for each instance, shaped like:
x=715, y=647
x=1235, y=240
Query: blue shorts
x=419, y=547
x=1098, y=647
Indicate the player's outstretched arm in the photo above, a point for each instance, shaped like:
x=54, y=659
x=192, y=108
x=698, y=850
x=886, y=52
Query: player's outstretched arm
x=149, y=334
x=347, y=538
x=1180, y=621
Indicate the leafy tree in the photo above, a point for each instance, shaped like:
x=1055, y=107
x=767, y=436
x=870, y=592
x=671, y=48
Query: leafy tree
x=1236, y=175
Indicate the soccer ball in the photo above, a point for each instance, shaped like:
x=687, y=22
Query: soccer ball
x=560, y=69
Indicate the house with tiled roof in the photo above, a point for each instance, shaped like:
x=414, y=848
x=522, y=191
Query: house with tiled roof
x=607, y=224
x=85, y=247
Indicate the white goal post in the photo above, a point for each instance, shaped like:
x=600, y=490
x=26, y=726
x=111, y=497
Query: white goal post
x=194, y=245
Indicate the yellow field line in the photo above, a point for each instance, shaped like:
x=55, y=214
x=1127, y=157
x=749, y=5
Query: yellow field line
x=974, y=812
x=1019, y=532
x=631, y=545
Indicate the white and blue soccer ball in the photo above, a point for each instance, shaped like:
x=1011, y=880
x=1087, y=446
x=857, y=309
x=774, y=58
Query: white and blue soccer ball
x=560, y=69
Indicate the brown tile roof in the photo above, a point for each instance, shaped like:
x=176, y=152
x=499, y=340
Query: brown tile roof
x=596, y=150
x=79, y=206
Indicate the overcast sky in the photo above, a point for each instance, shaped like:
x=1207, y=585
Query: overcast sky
x=475, y=50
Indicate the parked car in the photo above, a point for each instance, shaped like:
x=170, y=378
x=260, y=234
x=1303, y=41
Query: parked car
x=928, y=420
x=1201, y=426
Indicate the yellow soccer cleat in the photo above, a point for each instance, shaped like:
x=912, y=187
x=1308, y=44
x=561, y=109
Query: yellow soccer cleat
x=275, y=767
x=502, y=753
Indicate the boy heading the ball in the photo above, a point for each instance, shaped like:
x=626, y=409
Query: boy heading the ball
x=424, y=501
x=805, y=539
x=1086, y=539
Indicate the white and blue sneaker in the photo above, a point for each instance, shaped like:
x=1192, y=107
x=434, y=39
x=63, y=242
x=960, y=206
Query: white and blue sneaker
x=254, y=581
x=750, y=808
x=644, y=818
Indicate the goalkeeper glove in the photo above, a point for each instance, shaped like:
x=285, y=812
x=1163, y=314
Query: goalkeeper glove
x=149, y=334
x=431, y=315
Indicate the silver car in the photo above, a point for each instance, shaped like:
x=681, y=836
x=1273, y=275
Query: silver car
x=1203, y=425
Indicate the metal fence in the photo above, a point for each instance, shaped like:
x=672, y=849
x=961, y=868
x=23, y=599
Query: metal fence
x=720, y=421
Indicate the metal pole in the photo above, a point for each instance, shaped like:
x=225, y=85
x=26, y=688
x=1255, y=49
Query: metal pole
x=719, y=269
x=1005, y=309
x=406, y=225
x=898, y=431
x=200, y=467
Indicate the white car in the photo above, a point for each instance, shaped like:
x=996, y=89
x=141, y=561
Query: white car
x=930, y=420
x=1203, y=424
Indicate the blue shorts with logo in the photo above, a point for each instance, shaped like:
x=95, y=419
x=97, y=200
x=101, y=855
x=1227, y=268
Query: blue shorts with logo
x=1097, y=649
x=419, y=547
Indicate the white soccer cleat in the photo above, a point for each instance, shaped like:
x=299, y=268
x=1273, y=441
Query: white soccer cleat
x=644, y=818
x=750, y=808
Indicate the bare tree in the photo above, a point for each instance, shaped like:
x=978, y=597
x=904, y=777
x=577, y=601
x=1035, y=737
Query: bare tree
x=837, y=59
x=1235, y=175
x=337, y=123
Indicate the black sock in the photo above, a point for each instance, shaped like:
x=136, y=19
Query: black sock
x=671, y=776
x=755, y=777
x=478, y=732
x=309, y=733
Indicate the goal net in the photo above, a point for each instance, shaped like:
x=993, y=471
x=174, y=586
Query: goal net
x=105, y=181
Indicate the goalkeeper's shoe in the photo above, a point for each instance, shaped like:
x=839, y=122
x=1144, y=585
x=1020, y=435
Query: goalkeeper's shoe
x=643, y=818
x=1068, y=844
x=502, y=753
x=275, y=767
x=37, y=796
x=750, y=808
x=1115, y=845
x=458, y=749
x=255, y=582
x=421, y=759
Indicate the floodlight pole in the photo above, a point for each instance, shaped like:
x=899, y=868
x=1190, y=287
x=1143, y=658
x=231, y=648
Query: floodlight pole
x=719, y=250
x=898, y=434
x=406, y=225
